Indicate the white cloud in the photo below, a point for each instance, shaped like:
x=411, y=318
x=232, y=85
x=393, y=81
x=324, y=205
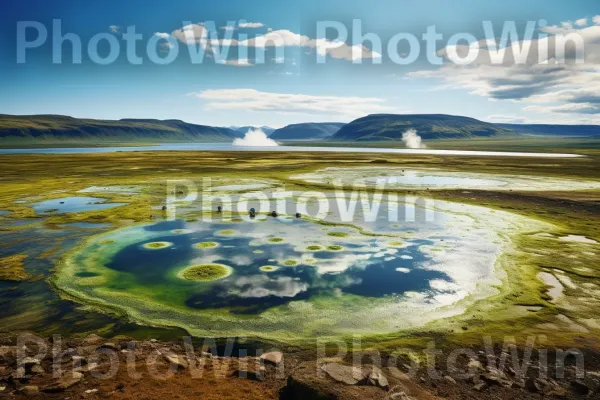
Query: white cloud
x=162, y=35
x=581, y=22
x=114, y=28
x=596, y=20
x=566, y=88
x=235, y=63
x=228, y=28
x=289, y=103
x=251, y=25
x=198, y=34
x=191, y=34
x=506, y=119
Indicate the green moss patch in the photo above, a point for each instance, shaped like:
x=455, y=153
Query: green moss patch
x=276, y=240
x=206, y=272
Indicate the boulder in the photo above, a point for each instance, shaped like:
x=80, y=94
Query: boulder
x=29, y=390
x=176, y=361
x=273, y=358
x=377, y=378
x=346, y=374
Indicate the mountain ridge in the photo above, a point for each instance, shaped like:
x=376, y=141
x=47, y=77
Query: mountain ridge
x=307, y=131
x=50, y=127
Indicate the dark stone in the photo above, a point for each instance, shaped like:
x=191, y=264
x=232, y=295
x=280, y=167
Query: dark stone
x=580, y=387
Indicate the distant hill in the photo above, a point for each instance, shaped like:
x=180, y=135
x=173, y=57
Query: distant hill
x=53, y=128
x=429, y=126
x=305, y=131
x=553, y=130
x=244, y=129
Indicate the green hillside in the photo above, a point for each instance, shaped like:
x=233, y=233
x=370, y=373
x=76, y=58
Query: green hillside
x=57, y=128
x=380, y=127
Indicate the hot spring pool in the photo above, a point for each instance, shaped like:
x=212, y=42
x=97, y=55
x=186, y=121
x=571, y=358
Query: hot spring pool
x=287, y=278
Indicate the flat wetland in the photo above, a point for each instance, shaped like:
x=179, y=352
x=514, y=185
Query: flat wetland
x=36, y=247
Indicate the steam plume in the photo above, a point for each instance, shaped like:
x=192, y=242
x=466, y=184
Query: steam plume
x=412, y=140
x=255, y=138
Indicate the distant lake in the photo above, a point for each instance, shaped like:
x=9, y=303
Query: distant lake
x=230, y=147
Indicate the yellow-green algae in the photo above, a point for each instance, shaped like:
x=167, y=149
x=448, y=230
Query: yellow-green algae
x=227, y=232
x=268, y=268
x=12, y=268
x=157, y=245
x=206, y=272
x=314, y=247
x=335, y=247
x=337, y=234
x=276, y=240
x=206, y=245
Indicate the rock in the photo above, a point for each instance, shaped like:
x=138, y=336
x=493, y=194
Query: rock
x=345, y=374
x=534, y=385
x=450, y=379
x=91, y=391
x=304, y=384
x=64, y=383
x=109, y=346
x=377, y=378
x=28, y=362
x=480, y=387
x=92, y=339
x=37, y=370
x=176, y=360
x=475, y=365
x=273, y=358
x=580, y=387
x=19, y=374
x=29, y=390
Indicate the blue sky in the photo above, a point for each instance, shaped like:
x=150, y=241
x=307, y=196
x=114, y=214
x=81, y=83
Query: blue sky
x=298, y=89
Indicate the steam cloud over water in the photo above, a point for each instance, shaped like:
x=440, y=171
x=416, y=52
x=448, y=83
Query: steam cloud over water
x=412, y=140
x=255, y=137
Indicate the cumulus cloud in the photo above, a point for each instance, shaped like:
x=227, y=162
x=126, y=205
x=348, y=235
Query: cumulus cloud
x=114, y=28
x=251, y=25
x=596, y=20
x=197, y=34
x=288, y=103
x=581, y=22
x=569, y=87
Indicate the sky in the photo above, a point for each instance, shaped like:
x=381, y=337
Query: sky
x=182, y=68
